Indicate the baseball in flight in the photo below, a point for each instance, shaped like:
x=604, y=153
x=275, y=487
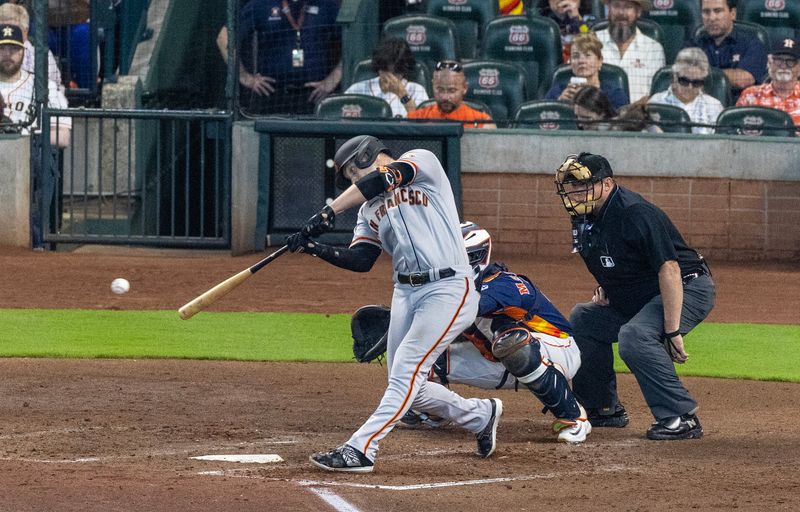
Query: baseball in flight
x=120, y=286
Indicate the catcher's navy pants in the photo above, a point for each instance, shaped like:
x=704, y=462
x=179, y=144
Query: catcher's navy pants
x=640, y=347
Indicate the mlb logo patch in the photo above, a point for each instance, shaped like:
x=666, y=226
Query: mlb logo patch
x=416, y=35
x=607, y=262
x=488, y=78
x=519, y=35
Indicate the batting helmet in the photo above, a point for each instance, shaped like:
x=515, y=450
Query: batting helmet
x=361, y=151
x=580, y=173
x=478, y=243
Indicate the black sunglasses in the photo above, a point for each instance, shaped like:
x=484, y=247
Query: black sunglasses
x=686, y=82
x=448, y=64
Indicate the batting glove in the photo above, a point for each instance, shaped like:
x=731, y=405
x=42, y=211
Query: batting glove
x=319, y=223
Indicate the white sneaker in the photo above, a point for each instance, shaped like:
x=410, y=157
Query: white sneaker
x=573, y=431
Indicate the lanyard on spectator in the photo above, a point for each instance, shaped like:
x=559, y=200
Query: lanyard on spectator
x=298, y=56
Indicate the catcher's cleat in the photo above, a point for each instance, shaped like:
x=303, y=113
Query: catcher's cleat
x=572, y=431
x=616, y=417
x=343, y=458
x=414, y=419
x=676, y=427
x=487, y=438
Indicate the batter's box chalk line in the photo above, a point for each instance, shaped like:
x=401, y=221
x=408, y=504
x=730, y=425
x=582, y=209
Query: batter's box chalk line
x=244, y=458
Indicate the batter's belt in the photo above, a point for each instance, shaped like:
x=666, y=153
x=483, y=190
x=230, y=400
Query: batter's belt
x=420, y=278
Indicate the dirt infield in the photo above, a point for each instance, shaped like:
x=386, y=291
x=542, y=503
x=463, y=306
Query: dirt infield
x=107, y=435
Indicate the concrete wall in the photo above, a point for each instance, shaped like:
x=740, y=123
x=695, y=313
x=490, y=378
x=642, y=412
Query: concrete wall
x=731, y=197
x=15, y=190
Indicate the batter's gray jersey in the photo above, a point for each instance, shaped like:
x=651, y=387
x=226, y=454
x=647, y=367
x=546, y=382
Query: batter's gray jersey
x=416, y=224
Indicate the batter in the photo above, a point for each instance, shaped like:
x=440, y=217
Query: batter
x=408, y=210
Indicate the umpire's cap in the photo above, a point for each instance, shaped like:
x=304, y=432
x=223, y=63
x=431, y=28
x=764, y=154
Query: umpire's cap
x=361, y=151
x=597, y=166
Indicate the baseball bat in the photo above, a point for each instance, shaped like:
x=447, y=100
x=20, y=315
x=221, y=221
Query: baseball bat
x=201, y=302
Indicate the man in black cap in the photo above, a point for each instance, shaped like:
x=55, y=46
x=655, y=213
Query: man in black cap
x=653, y=289
x=783, y=89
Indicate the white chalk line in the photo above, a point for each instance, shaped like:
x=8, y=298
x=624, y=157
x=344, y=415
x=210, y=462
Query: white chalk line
x=334, y=500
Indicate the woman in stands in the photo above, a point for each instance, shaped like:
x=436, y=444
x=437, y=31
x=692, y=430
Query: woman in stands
x=595, y=112
x=573, y=17
x=586, y=60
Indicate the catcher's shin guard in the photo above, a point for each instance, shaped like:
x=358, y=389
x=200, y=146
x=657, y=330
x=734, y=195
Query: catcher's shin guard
x=519, y=352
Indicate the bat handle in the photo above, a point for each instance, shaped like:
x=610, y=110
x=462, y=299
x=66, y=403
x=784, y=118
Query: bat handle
x=269, y=259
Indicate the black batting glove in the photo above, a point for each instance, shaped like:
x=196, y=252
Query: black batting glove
x=319, y=223
x=298, y=242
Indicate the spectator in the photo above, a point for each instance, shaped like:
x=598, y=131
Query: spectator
x=595, y=112
x=624, y=45
x=70, y=36
x=449, y=88
x=586, y=60
x=783, y=90
x=688, y=75
x=393, y=61
x=292, y=54
x=567, y=14
x=15, y=14
x=741, y=57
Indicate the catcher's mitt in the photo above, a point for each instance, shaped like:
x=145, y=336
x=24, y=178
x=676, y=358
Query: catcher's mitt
x=370, y=327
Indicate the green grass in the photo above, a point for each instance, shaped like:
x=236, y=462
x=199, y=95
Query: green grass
x=765, y=352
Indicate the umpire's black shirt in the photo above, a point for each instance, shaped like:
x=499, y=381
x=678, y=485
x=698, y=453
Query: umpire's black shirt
x=629, y=241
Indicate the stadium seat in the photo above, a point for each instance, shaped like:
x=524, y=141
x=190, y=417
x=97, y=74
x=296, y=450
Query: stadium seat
x=360, y=106
x=781, y=18
x=421, y=75
x=608, y=73
x=500, y=85
x=669, y=118
x=749, y=120
x=751, y=29
x=431, y=38
x=598, y=9
x=545, y=115
x=477, y=105
x=716, y=85
x=532, y=42
x=470, y=18
x=677, y=19
x=649, y=28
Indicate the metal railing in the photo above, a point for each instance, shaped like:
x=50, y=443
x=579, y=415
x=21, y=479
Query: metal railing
x=137, y=177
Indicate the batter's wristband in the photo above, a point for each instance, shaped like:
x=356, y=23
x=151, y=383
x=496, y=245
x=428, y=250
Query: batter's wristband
x=670, y=335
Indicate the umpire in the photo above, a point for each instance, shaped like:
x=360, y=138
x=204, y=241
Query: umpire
x=653, y=289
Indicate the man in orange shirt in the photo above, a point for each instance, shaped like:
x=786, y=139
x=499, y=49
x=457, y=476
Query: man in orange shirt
x=449, y=88
x=783, y=89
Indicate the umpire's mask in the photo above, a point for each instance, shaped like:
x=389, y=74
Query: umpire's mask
x=576, y=179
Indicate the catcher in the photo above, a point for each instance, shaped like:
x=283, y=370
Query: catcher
x=518, y=338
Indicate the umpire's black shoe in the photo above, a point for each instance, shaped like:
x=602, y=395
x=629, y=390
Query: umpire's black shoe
x=487, y=438
x=343, y=458
x=676, y=427
x=614, y=417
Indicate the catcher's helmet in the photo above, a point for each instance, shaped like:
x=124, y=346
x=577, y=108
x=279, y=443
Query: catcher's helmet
x=478, y=243
x=361, y=151
x=580, y=173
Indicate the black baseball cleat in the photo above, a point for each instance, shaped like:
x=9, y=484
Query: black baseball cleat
x=616, y=417
x=676, y=427
x=343, y=458
x=487, y=438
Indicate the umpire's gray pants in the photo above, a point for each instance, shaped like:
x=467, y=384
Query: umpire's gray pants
x=640, y=347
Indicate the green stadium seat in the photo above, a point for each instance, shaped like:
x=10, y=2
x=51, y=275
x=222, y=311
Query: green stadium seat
x=421, y=75
x=598, y=9
x=500, y=85
x=677, y=19
x=357, y=106
x=749, y=120
x=470, y=18
x=532, y=42
x=781, y=18
x=545, y=115
x=669, y=118
x=649, y=28
x=751, y=29
x=608, y=73
x=716, y=85
x=431, y=38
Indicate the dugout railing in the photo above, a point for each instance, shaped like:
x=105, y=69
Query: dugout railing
x=135, y=177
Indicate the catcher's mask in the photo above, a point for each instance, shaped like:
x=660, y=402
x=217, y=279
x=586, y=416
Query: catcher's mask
x=361, y=151
x=479, y=245
x=576, y=180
